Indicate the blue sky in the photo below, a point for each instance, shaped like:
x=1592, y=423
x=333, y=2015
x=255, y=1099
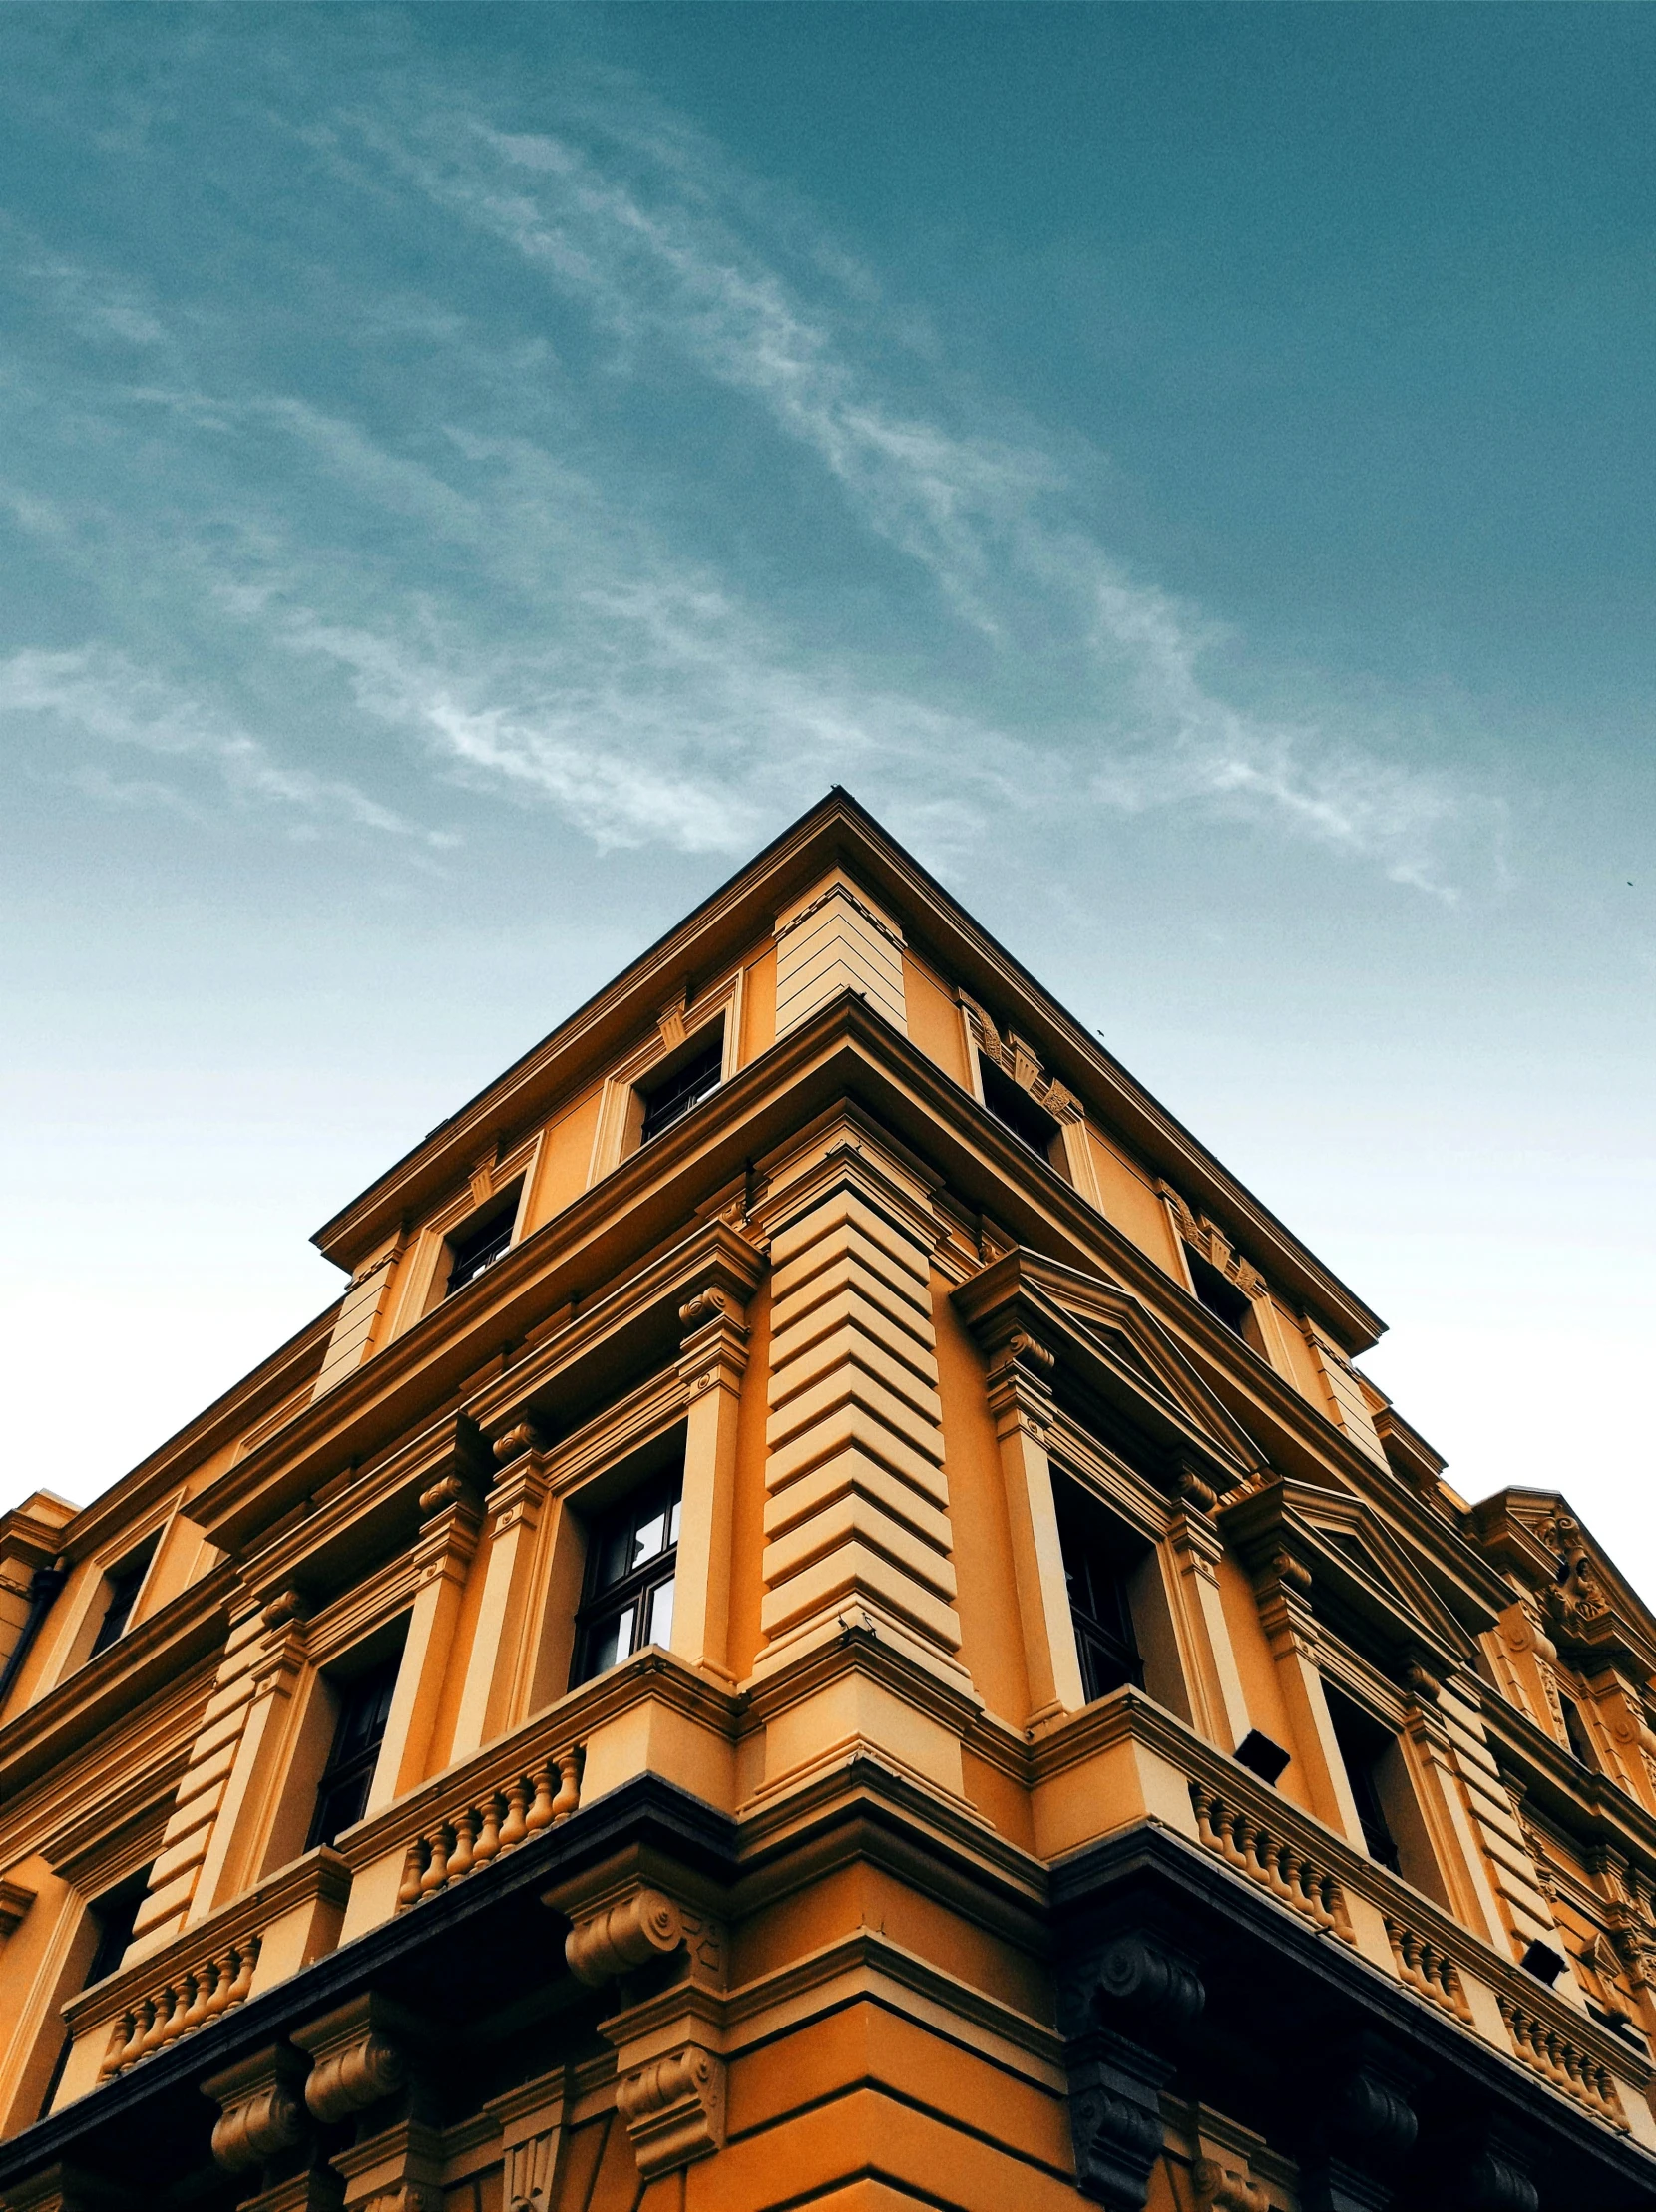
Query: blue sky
x=469, y=474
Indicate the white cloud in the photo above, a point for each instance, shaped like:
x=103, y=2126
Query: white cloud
x=101, y=695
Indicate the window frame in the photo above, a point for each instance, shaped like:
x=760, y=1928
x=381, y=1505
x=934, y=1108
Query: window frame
x=379, y=1676
x=1103, y=1647
x=636, y=1588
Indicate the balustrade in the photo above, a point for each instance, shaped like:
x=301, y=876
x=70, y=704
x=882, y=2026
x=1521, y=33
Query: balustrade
x=1267, y=1855
x=186, y=2001
x=1426, y=1968
x=497, y=1819
x=1552, y=2052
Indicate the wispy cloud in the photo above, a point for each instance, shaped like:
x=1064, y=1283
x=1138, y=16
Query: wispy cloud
x=101, y=695
x=547, y=598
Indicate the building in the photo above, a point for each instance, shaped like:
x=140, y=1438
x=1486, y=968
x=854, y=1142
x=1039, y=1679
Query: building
x=829, y=1622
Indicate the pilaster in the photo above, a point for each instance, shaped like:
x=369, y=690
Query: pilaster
x=1190, y=1556
x=1282, y=1584
x=713, y=1363
x=857, y=1501
x=443, y=1557
x=1019, y=1404
x=514, y=1510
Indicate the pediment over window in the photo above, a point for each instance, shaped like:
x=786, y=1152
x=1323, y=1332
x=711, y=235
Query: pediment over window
x=1357, y=1578
x=1591, y=1609
x=1110, y=1349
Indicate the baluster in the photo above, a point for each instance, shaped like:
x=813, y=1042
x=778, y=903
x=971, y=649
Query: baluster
x=540, y=1813
x=245, y=1956
x=437, y=1865
x=568, y=1799
x=412, y=1868
x=121, y=2035
x=207, y=1980
x=156, y=2009
x=184, y=1998
x=514, y=1827
x=487, y=1840
x=1204, y=1804
x=1240, y=1833
x=223, y=1976
x=465, y=1835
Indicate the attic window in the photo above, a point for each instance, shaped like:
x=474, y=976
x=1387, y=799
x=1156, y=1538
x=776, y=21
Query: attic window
x=671, y=1096
x=1218, y=1292
x=123, y=1584
x=1575, y=1730
x=480, y=1240
x=1015, y=1110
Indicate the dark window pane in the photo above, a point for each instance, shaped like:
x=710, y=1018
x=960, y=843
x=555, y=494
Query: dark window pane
x=1575, y=1729
x=476, y=1248
x=1104, y=1642
x=1012, y=1106
x=1364, y=1742
x=672, y=1098
x=123, y=1584
x=115, y=1915
x=1218, y=1292
x=632, y=1556
x=343, y=1793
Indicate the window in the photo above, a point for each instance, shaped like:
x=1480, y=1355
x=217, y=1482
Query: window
x=343, y=1793
x=672, y=1096
x=123, y=1584
x=1575, y=1729
x=1093, y=1569
x=1364, y=1745
x=114, y=1916
x=477, y=1243
x=1218, y=1292
x=631, y=1561
x=1015, y=1110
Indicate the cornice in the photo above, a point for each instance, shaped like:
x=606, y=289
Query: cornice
x=1587, y=1805
x=150, y=1659
x=615, y=1228
x=716, y=931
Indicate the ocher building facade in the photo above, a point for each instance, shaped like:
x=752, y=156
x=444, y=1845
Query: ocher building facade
x=826, y=1623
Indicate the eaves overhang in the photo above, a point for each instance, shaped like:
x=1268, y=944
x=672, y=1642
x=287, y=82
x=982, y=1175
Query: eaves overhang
x=150, y=1657
x=701, y=948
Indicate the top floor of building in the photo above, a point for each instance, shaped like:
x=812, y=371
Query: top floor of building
x=819, y=1355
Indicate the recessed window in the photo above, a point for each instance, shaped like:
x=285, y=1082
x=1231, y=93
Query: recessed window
x=364, y=1710
x=114, y=1916
x=1219, y=1293
x=122, y=1585
x=1575, y=1730
x=631, y=1566
x=1364, y=1745
x=1096, y=1570
x=478, y=1243
x=1012, y=1106
x=668, y=1097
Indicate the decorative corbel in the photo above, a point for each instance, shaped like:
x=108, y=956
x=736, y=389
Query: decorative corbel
x=670, y=2079
x=1225, y=2186
x=673, y=2108
x=1120, y=2007
x=525, y=1437
x=1365, y=2128
x=261, y=2108
x=360, y=2054
x=644, y=1926
x=713, y=1346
